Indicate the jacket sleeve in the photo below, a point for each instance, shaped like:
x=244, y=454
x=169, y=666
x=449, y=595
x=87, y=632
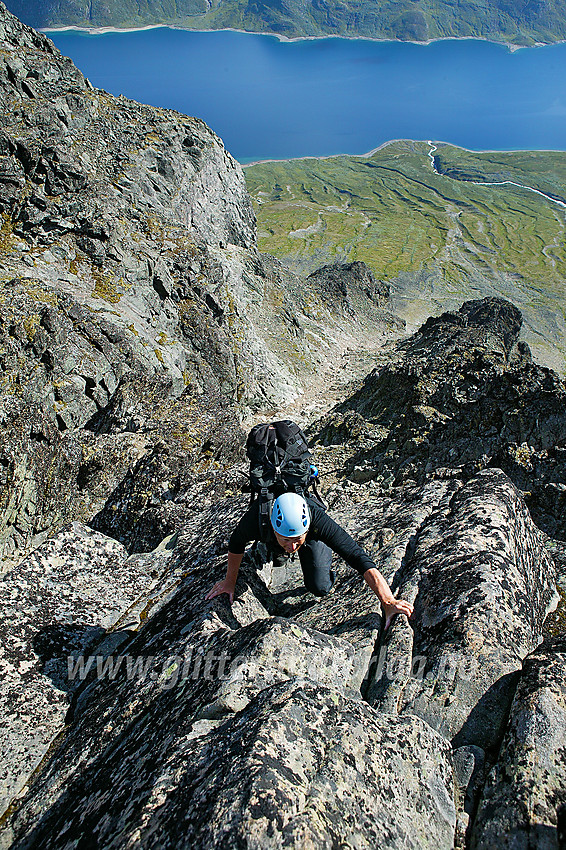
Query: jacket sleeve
x=325, y=529
x=246, y=530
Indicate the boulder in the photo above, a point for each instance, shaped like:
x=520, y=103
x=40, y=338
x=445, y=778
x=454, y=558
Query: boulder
x=349, y=284
x=482, y=584
x=525, y=794
x=57, y=603
x=299, y=766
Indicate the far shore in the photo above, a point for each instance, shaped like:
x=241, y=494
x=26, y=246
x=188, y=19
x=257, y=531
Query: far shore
x=335, y=155
x=283, y=38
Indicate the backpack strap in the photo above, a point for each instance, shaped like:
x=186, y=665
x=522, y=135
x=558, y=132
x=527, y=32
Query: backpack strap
x=317, y=497
x=265, y=505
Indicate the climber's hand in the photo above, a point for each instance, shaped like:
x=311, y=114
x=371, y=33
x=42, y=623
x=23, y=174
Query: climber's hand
x=394, y=607
x=220, y=587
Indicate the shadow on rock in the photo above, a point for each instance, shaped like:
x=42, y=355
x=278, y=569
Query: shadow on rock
x=55, y=643
x=489, y=713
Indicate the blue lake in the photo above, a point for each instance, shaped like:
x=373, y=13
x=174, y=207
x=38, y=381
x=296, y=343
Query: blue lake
x=273, y=99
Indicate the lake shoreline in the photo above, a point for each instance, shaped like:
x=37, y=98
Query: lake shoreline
x=395, y=141
x=283, y=38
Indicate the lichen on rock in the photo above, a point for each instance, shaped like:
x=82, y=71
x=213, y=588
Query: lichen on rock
x=140, y=333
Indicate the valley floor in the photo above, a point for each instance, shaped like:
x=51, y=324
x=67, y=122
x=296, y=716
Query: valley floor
x=438, y=235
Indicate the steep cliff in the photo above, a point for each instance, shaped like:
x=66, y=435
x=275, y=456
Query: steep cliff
x=141, y=330
x=135, y=307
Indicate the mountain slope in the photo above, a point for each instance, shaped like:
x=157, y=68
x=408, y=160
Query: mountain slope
x=519, y=22
x=140, y=329
x=132, y=297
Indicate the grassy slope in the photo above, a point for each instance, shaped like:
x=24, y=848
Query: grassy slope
x=436, y=239
x=506, y=20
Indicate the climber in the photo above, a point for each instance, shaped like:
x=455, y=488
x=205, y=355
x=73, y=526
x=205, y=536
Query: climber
x=302, y=526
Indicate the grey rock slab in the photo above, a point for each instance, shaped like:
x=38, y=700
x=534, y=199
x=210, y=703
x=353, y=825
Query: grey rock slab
x=59, y=600
x=385, y=528
x=393, y=666
x=353, y=613
x=470, y=770
x=485, y=584
x=185, y=664
x=525, y=794
x=300, y=766
x=281, y=649
x=247, y=608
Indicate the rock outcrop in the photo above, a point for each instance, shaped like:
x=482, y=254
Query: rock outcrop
x=299, y=765
x=482, y=585
x=56, y=602
x=461, y=395
x=139, y=329
x=524, y=797
x=134, y=301
x=270, y=697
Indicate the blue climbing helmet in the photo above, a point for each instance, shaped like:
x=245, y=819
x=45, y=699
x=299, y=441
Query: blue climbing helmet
x=290, y=516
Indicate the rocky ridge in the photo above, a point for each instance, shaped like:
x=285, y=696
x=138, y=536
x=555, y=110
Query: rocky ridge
x=461, y=394
x=141, y=330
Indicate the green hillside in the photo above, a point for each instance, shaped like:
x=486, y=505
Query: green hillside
x=436, y=239
x=517, y=21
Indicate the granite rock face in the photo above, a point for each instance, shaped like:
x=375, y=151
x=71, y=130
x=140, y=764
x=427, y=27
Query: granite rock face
x=299, y=767
x=484, y=586
x=139, y=329
x=85, y=158
x=55, y=605
x=525, y=794
x=210, y=732
x=269, y=697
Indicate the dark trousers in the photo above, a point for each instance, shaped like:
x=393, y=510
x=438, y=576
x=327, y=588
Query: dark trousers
x=316, y=563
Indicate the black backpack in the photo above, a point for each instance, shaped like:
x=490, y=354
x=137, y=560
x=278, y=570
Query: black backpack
x=280, y=462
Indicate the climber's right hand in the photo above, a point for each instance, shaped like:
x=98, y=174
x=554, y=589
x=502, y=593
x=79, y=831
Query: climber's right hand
x=220, y=587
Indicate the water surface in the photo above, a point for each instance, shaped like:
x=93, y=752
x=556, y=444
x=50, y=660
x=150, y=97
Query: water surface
x=273, y=99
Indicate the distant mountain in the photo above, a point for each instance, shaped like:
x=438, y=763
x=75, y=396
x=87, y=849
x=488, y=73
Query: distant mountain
x=516, y=21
